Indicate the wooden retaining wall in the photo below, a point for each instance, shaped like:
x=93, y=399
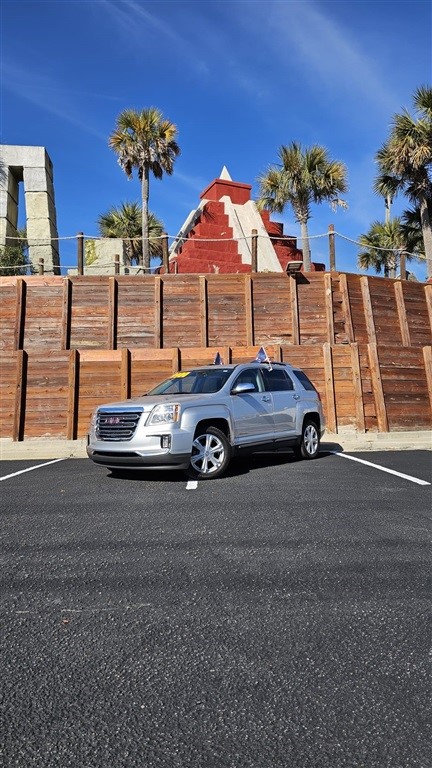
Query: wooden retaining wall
x=205, y=310
x=67, y=344
x=53, y=394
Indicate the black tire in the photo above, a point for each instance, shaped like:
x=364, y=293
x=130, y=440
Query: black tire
x=211, y=454
x=310, y=441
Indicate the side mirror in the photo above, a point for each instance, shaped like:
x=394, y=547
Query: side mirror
x=242, y=389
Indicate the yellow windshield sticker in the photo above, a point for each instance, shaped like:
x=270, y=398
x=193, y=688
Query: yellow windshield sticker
x=181, y=375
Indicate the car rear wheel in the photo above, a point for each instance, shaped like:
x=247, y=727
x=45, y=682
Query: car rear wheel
x=309, y=446
x=211, y=454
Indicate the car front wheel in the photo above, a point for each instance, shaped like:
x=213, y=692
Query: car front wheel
x=309, y=446
x=211, y=454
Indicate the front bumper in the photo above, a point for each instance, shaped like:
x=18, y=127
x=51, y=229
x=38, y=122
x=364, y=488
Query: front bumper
x=144, y=450
x=136, y=460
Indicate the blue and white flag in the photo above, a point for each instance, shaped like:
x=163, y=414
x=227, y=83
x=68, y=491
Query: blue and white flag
x=262, y=357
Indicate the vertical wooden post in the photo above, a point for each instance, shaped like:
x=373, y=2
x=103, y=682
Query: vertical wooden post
x=428, y=297
x=116, y=263
x=377, y=388
x=203, y=308
x=158, y=316
x=358, y=391
x=402, y=265
x=346, y=307
x=329, y=307
x=80, y=252
x=329, y=388
x=41, y=266
x=112, y=312
x=20, y=312
x=125, y=374
x=73, y=395
x=294, y=310
x=175, y=364
x=249, y=311
x=332, y=249
x=403, y=322
x=367, y=304
x=427, y=354
x=165, y=255
x=254, y=250
x=20, y=396
x=66, y=313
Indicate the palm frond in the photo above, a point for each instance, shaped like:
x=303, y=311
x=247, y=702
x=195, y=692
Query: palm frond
x=383, y=245
x=423, y=100
x=125, y=222
x=306, y=175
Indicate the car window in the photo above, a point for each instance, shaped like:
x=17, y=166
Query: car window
x=277, y=380
x=250, y=376
x=304, y=381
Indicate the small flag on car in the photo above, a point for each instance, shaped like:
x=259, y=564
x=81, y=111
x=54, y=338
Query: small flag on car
x=218, y=360
x=262, y=357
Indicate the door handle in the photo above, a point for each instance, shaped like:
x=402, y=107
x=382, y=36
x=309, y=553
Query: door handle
x=296, y=397
x=266, y=398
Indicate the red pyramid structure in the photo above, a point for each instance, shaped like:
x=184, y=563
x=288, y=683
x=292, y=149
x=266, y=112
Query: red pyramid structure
x=216, y=236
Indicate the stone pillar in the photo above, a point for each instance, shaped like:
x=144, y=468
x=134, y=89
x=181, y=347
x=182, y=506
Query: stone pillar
x=33, y=166
x=8, y=205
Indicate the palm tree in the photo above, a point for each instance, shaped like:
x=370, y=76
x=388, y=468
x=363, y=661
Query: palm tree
x=384, y=245
x=305, y=176
x=405, y=162
x=125, y=222
x=146, y=141
x=412, y=229
x=15, y=259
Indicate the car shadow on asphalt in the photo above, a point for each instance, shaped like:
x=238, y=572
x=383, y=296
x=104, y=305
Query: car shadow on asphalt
x=239, y=465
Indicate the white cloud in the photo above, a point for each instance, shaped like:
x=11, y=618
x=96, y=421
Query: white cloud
x=194, y=182
x=47, y=94
x=128, y=12
x=328, y=53
x=133, y=20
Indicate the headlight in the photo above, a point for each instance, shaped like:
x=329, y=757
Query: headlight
x=93, y=419
x=164, y=414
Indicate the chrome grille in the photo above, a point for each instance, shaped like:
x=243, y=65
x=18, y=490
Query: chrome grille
x=116, y=425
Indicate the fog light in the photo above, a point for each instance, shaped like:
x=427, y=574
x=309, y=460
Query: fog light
x=166, y=441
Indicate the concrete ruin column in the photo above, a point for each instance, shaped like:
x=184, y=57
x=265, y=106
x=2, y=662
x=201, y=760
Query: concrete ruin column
x=33, y=167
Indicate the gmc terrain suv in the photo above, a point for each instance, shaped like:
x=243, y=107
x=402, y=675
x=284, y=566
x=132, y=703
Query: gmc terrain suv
x=198, y=419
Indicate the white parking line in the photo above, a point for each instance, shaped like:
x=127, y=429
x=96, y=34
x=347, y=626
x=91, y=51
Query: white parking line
x=383, y=469
x=191, y=485
x=29, y=469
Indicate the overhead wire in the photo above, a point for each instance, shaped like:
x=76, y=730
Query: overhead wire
x=180, y=241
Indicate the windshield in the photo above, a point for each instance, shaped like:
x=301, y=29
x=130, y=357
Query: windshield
x=200, y=381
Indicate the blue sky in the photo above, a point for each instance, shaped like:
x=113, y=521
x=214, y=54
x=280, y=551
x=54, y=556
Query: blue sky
x=238, y=78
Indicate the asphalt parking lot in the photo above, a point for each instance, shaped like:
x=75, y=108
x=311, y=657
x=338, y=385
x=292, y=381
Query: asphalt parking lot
x=276, y=618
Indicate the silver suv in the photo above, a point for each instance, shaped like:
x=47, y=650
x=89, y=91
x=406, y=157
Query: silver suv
x=198, y=419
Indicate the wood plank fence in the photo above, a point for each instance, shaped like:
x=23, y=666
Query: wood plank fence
x=67, y=344
x=53, y=394
x=166, y=311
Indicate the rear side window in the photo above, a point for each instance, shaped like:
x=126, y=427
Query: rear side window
x=304, y=381
x=277, y=380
